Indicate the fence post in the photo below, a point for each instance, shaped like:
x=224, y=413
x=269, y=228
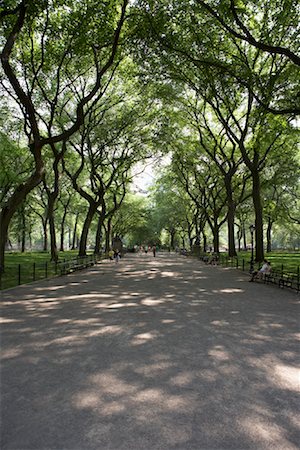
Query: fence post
x=33, y=275
x=19, y=274
x=281, y=269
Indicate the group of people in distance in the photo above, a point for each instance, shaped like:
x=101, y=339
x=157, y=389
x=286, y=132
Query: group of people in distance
x=148, y=249
x=116, y=254
x=259, y=274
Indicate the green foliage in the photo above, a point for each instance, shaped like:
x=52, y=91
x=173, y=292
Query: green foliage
x=15, y=163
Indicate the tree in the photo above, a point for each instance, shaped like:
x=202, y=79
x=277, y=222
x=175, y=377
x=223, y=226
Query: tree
x=272, y=28
x=47, y=51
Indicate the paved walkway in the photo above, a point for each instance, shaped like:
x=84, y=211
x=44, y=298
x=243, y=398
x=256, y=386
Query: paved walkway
x=163, y=353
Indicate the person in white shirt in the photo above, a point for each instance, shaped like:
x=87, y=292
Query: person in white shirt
x=265, y=268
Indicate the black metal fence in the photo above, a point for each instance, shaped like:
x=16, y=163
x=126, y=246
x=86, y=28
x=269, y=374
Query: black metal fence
x=282, y=272
x=17, y=274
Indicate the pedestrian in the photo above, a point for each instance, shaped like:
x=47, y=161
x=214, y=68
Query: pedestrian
x=117, y=256
x=154, y=250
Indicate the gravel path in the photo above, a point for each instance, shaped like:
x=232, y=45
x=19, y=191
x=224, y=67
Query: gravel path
x=150, y=353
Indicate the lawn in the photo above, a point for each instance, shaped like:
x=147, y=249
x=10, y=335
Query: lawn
x=22, y=268
x=288, y=262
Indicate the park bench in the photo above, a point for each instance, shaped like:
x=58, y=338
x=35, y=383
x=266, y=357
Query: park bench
x=74, y=264
x=280, y=279
x=213, y=259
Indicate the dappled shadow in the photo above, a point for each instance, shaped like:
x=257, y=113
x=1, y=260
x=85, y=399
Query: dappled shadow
x=149, y=353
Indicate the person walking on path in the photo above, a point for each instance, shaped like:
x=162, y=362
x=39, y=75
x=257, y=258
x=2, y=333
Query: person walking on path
x=154, y=250
x=117, y=256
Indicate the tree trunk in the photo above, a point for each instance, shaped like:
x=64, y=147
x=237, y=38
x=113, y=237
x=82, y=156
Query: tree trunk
x=30, y=238
x=53, y=245
x=230, y=224
x=244, y=237
x=62, y=235
x=108, y=236
x=269, y=235
x=216, y=239
x=75, y=232
x=204, y=242
x=85, y=230
x=99, y=235
x=172, y=234
x=45, y=232
x=23, y=240
x=259, y=242
x=230, y=217
x=62, y=229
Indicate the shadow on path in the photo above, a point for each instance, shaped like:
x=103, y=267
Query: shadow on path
x=161, y=353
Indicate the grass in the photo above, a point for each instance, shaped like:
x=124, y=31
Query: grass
x=23, y=268
x=288, y=262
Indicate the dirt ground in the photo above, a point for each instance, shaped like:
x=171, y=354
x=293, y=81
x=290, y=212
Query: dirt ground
x=150, y=353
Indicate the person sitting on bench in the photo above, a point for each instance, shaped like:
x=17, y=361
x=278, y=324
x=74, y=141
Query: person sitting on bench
x=259, y=274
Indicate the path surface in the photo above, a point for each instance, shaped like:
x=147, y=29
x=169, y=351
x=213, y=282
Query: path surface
x=163, y=353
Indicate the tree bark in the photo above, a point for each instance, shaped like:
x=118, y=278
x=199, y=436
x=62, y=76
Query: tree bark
x=62, y=228
x=204, y=242
x=230, y=225
x=45, y=237
x=108, y=235
x=23, y=239
x=99, y=234
x=75, y=232
x=216, y=239
x=85, y=230
x=172, y=235
x=53, y=245
x=259, y=243
x=269, y=235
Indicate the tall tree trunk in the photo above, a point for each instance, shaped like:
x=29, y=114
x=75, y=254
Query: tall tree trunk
x=85, y=230
x=30, y=238
x=172, y=235
x=62, y=228
x=204, y=241
x=108, y=235
x=75, y=232
x=269, y=235
x=53, y=245
x=99, y=234
x=62, y=235
x=216, y=239
x=230, y=217
x=23, y=240
x=244, y=237
x=45, y=235
x=259, y=238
